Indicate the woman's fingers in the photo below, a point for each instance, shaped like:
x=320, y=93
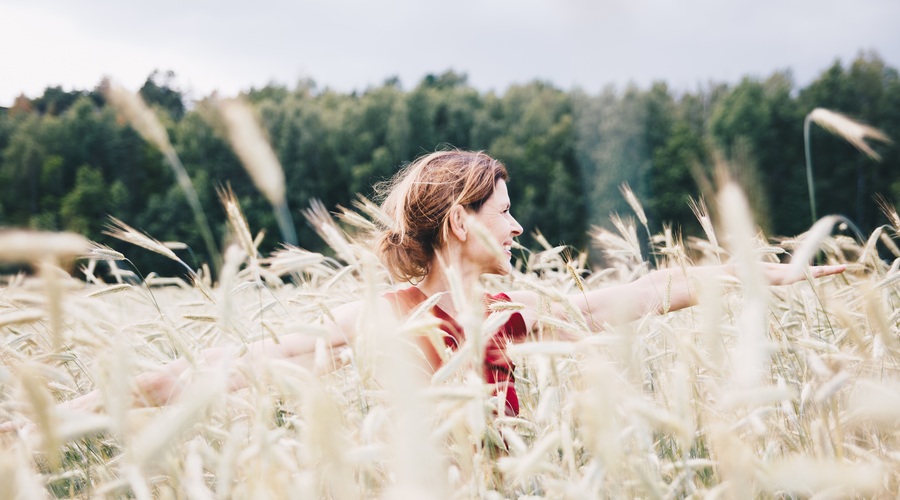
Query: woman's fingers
x=785, y=274
x=819, y=271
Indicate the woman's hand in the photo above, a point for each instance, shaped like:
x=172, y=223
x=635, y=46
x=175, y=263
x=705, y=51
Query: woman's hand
x=786, y=274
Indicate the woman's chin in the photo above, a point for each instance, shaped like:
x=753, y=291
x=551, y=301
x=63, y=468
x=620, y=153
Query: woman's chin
x=504, y=269
x=499, y=267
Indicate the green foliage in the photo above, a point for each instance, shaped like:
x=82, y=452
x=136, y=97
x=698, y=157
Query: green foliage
x=672, y=184
x=538, y=146
x=57, y=101
x=612, y=150
x=66, y=160
x=740, y=125
x=160, y=90
x=83, y=209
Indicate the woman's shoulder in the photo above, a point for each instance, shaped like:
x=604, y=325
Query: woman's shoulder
x=403, y=300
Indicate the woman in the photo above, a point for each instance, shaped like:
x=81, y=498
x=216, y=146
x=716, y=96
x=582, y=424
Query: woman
x=450, y=210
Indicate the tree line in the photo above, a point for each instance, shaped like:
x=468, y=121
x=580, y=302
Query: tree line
x=67, y=160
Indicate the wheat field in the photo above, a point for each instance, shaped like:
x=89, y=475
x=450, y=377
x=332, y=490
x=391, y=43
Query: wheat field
x=774, y=392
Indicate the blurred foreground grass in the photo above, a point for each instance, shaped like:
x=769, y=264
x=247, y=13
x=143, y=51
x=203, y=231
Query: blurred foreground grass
x=789, y=391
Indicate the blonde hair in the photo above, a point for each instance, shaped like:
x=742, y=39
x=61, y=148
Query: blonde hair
x=418, y=200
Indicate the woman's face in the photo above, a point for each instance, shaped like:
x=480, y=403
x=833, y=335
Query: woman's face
x=500, y=227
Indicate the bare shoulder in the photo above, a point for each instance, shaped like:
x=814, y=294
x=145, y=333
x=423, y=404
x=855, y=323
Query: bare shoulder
x=345, y=314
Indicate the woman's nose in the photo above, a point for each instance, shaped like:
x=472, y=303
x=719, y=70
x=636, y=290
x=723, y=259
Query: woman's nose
x=516, y=228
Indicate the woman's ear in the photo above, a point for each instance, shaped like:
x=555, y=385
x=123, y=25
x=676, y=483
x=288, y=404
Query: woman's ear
x=457, y=221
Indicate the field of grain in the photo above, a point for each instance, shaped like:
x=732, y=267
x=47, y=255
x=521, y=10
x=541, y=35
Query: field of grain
x=784, y=391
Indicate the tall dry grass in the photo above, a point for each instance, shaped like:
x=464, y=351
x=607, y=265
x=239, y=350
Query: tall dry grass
x=145, y=122
x=850, y=130
x=249, y=142
x=757, y=391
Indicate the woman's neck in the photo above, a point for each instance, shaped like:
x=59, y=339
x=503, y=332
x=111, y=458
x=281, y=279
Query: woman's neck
x=438, y=281
x=434, y=282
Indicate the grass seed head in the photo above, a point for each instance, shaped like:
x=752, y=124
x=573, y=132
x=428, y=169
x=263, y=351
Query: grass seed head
x=237, y=221
x=139, y=116
x=249, y=142
x=122, y=231
x=633, y=203
x=850, y=130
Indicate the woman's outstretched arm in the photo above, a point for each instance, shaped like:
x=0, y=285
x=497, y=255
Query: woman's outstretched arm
x=672, y=289
x=661, y=291
x=163, y=385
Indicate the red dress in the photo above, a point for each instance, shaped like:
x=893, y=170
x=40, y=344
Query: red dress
x=498, y=368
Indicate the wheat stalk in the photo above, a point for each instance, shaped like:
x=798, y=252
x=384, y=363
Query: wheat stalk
x=246, y=137
x=238, y=222
x=122, y=231
x=146, y=123
x=850, y=130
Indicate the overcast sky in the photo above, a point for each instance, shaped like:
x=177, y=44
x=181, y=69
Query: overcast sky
x=230, y=46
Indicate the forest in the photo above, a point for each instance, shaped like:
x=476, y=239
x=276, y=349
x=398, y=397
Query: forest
x=67, y=161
